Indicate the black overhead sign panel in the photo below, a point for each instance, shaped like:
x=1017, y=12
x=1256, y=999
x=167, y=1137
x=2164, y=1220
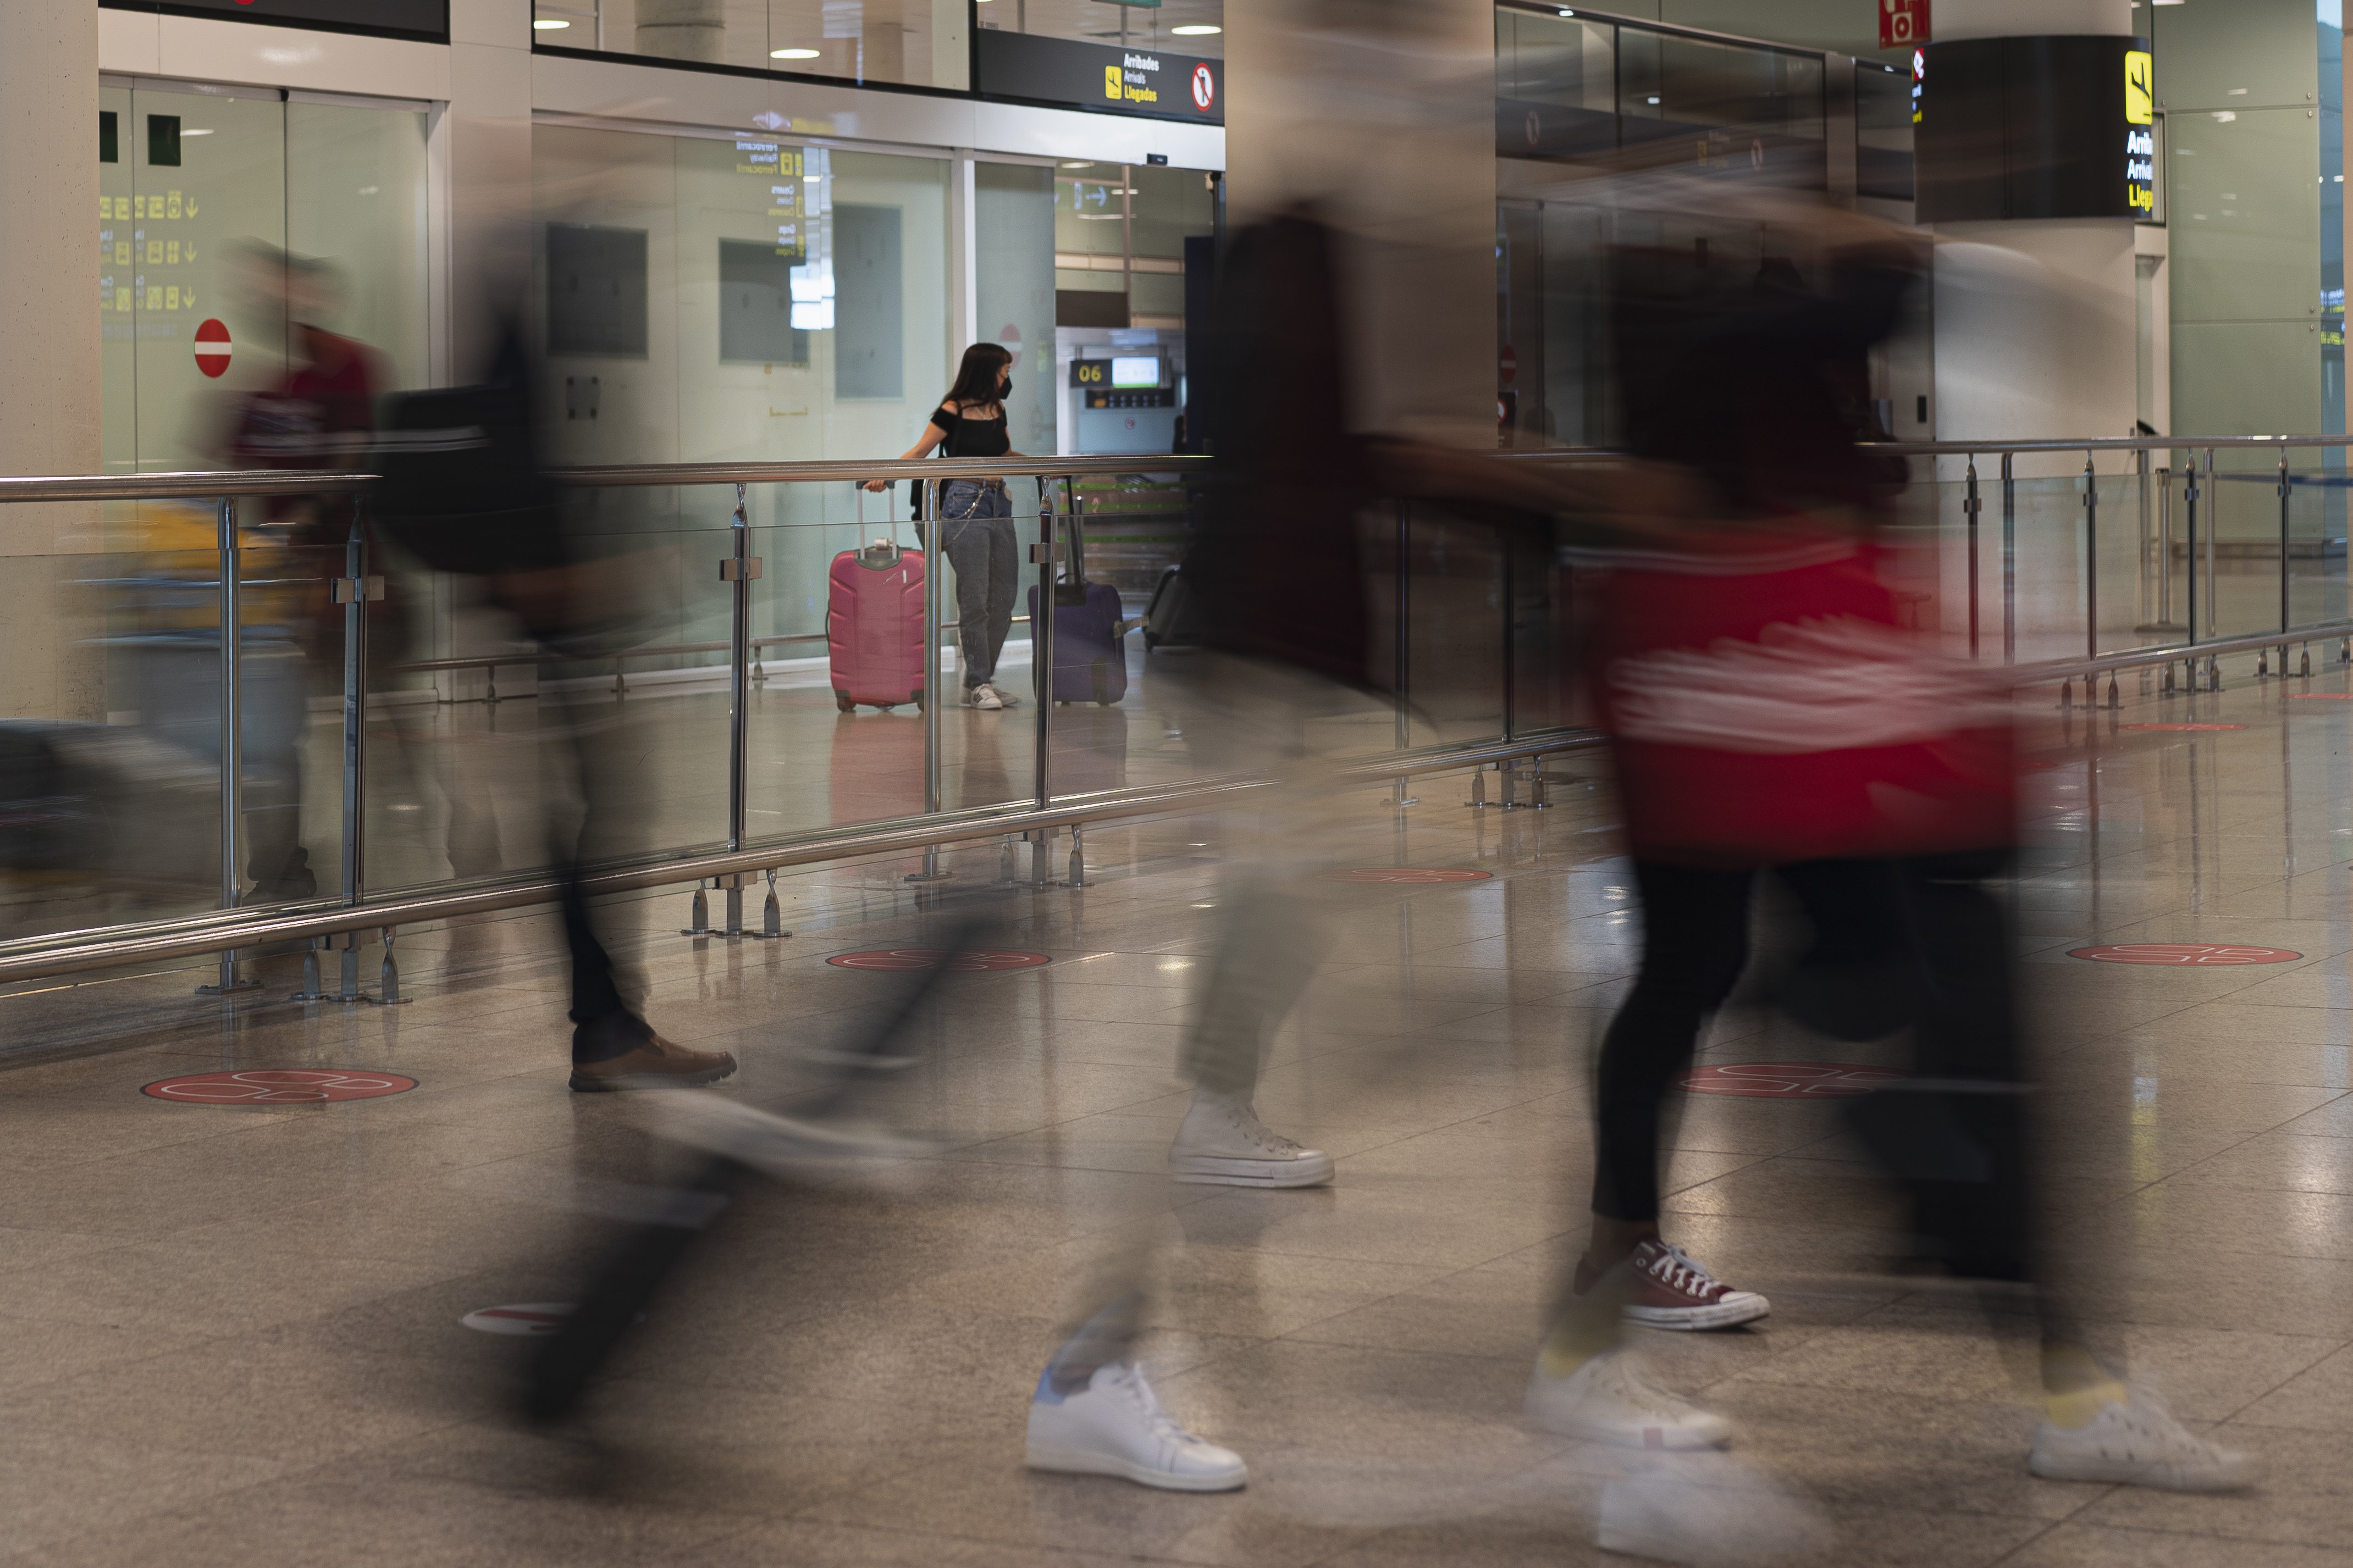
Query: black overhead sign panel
x=1100, y=76
x=425, y=19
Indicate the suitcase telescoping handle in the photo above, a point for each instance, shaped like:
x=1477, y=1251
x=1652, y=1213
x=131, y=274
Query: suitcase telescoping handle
x=1077, y=535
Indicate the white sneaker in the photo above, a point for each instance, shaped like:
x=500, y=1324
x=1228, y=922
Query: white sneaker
x=1223, y=1142
x=1707, y=1508
x=2140, y=1444
x=1610, y=1400
x=982, y=696
x=1115, y=1426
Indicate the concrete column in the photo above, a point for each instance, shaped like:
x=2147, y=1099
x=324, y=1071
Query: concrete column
x=1382, y=114
x=48, y=351
x=490, y=173
x=2035, y=325
x=682, y=29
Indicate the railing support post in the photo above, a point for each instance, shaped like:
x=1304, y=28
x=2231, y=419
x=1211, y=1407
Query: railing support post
x=1971, y=506
x=2214, y=527
x=2008, y=558
x=2190, y=550
x=231, y=565
x=935, y=696
x=2091, y=559
x=2285, y=617
x=1043, y=555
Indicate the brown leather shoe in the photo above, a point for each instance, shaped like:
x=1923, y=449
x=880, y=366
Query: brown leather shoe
x=657, y=1064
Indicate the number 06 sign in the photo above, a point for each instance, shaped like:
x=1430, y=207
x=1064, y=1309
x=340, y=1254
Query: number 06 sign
x=1903, y=23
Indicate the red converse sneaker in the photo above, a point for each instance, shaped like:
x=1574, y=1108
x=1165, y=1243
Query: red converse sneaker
x=1672, y=1289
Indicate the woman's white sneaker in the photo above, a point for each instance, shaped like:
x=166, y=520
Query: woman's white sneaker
x=982, y=696
x=2138, y=1443
x=1610, y=1400
x=1116, y=1427
x=1222, y=1142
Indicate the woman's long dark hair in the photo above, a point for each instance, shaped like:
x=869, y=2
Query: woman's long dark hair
x=975, y=380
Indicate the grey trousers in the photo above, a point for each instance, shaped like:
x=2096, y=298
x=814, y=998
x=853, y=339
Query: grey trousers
x=977, y=532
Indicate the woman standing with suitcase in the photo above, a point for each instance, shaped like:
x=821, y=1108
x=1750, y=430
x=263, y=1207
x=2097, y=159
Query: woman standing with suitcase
x=975, y=518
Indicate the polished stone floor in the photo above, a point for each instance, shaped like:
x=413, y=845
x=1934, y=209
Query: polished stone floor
x=231, y=1335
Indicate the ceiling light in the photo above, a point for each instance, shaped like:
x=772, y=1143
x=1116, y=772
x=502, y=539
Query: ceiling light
x=549, y=24
x=1198, y=30
x=1077, y=164
x=792, y=54
x=811, y=179
x=195, y=132
x=1653, y=98
x=1569, y=12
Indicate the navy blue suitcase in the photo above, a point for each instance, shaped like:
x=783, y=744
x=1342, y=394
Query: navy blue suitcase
x=1089, y=634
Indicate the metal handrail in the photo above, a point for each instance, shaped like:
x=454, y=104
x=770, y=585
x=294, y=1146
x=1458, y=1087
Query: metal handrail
x=232, y=928
x=207, y=483
x=76, y=953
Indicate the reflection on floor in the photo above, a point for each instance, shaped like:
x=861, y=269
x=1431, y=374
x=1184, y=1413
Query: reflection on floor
x=231, y=1335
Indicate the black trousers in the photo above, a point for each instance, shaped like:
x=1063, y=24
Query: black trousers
x=1956, y=1134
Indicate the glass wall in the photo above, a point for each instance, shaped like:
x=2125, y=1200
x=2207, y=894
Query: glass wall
x=1567, y=87
x=204, y=194
x=1014, y=242
x=1882, y=133
x=919, y=43
x=1188, y=26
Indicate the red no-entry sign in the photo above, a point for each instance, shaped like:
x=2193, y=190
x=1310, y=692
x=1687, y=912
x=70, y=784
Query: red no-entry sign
x=213, y=347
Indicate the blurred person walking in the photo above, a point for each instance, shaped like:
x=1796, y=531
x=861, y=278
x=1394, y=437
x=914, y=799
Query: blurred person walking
x=1278, y=686
x=975, y=518
x=319, y=414
x=465, y=491
x=1767, y=712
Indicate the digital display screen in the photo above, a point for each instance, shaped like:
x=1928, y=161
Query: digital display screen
x=1136, y=370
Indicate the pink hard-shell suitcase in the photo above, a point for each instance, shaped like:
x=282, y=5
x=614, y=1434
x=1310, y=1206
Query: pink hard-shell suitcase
x=874, y=626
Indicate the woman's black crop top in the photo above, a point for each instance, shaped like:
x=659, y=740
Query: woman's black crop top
x=971, y=437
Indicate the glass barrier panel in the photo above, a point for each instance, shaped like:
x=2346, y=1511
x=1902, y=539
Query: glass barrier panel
x=1455, y=665
x=2316, y=503
x=116, y=803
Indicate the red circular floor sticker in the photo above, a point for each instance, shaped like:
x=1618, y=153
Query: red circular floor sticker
x=892, y=959
x=2183, y=728
x=1406, y=874
x=1786, y=1080
x=535, y=1317
x=277, y=1086
x=2181, y=952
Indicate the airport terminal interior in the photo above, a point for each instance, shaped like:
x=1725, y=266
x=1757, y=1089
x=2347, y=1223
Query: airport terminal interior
x=1066, y=781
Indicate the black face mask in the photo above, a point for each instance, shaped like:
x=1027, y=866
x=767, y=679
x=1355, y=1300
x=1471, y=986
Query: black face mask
x=1006, y=390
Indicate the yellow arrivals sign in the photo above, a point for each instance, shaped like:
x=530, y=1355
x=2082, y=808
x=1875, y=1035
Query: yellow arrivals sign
x=2140, y=88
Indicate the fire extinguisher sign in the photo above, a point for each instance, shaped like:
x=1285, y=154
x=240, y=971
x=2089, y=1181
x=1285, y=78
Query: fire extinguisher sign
x=1903, y=23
